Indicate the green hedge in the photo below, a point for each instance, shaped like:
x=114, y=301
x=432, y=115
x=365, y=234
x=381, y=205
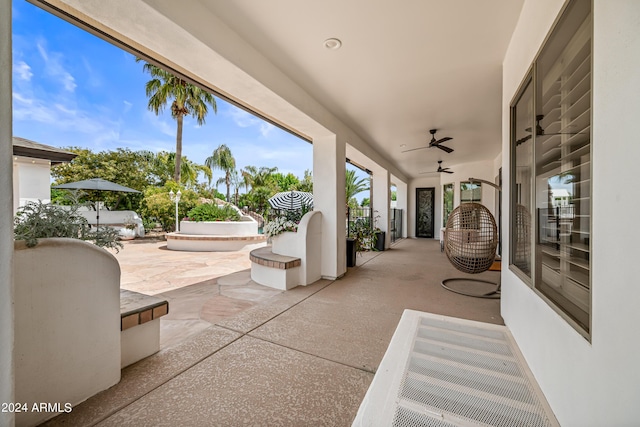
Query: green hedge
x=211, y=212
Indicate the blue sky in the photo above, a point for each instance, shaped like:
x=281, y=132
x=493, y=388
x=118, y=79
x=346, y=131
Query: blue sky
x=71, y=88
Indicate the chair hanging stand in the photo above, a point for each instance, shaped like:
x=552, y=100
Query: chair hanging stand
x=493, y=294
x=470, y=243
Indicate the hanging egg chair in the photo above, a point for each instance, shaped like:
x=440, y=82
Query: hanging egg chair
x=470, y=243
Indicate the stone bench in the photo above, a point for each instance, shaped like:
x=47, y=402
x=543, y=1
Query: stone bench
x=139, y=325
x=274, y=270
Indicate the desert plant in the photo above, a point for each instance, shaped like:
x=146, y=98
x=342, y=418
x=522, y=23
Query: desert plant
x=37, y=220
x=211, y=212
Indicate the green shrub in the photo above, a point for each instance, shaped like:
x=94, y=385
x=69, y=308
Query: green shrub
x=157, y=204
x=211, y=212
x=37, y=220
x=149, y=224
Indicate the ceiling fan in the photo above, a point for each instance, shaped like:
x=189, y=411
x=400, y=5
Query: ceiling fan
x=435, y=143
x=440, y=169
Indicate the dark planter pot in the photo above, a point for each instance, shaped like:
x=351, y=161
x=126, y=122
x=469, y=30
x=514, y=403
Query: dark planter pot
x=351, y=252
x=380, y=237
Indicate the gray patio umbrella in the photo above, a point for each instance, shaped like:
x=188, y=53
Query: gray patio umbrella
x=97, y=184
x=291, y=200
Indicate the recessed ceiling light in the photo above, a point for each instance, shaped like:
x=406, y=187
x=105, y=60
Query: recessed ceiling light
x=332, y=44
x=403, y=145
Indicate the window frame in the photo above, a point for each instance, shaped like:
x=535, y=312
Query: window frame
x=532, y=77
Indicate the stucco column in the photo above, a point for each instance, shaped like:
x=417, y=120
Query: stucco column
x=381, y=189
x=329, y=158
x=402, y=203
x=6, y=216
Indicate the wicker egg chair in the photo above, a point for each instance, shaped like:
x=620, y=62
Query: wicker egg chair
x=470, y=243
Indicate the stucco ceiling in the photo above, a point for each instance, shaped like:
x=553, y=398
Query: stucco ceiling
x=404, y=67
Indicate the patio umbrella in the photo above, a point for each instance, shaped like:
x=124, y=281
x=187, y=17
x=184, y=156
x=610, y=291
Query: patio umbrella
x=291, y=200
x=97, y=184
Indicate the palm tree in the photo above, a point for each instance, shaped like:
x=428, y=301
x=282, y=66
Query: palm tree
x=186, y=99
x=223, y=159
x=258, y=177
x=162, y=165
x=262, y=185
x=354, y=186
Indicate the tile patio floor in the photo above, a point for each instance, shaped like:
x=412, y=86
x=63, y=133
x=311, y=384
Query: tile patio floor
x=235, y=353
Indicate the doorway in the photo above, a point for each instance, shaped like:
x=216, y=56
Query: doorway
x=425, y=209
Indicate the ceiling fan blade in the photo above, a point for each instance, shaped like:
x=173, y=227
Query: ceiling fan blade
x=446, y=171
x=441, y=140
x=443, y=148
x=414, y=149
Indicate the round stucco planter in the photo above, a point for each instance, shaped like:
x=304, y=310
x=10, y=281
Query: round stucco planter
x=215, y=236
x=219, y=228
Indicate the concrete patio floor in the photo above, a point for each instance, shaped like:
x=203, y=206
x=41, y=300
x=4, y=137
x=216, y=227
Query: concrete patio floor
x=235, y=353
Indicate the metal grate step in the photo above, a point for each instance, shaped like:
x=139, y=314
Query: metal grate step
x=441, y=372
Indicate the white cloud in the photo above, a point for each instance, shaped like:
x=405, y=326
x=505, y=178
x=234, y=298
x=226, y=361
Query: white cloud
x=161, y=125
x=244, y=120
x=22, y=70
x=55, y=69
x=127, y=106
x=58, y=116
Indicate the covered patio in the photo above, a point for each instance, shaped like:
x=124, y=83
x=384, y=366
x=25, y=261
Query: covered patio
x=302, y=357
x=478, y=72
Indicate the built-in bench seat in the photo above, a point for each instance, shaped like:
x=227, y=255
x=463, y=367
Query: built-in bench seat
x=293, y=259
x=140, y=325
x=274, y=270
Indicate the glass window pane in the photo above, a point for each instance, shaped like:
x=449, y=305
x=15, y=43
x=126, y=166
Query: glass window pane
x=470, y=192
x=521, y=177
x=563, y=164
x=447, y=202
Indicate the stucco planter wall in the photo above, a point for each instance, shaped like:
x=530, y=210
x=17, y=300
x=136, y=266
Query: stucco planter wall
x=220, y=228
x=287, y=243
x=67, y=317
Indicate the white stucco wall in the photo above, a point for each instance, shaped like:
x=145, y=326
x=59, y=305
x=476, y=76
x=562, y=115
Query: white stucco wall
x=593, y=383
x=32, y=180
x=6, y=216
x=67, y=323
x=402, y=201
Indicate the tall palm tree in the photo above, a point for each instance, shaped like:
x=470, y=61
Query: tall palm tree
x=223, y=159
x=353, y=185
x=186, y=100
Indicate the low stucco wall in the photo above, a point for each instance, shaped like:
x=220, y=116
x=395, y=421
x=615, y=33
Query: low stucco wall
x=246, y=227
x=67, y=317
